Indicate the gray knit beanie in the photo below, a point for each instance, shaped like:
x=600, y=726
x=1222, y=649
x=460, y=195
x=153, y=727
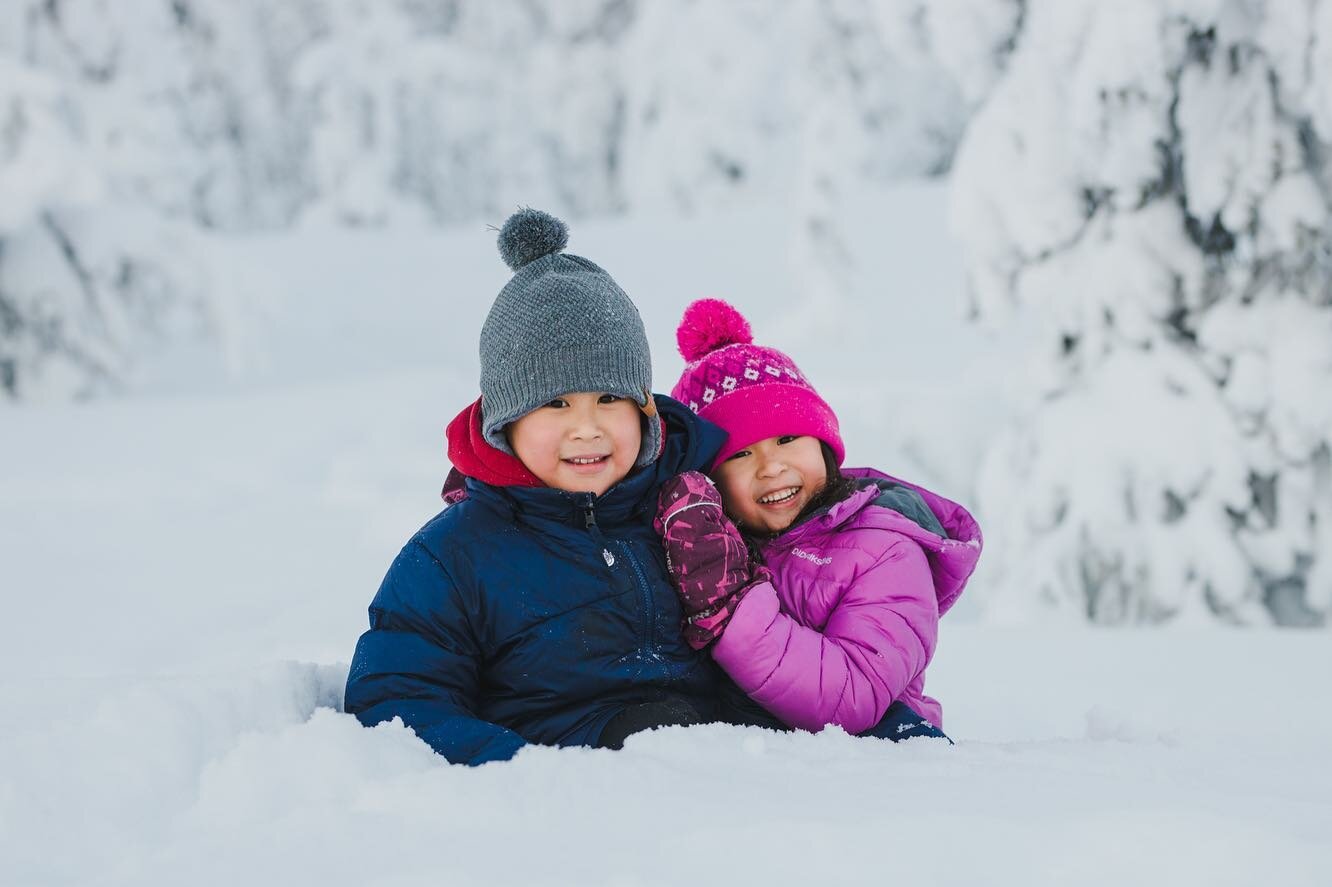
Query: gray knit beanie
x=560, y=325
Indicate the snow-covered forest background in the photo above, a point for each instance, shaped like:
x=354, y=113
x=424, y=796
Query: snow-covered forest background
x=1142, y=188
x=1067, y=261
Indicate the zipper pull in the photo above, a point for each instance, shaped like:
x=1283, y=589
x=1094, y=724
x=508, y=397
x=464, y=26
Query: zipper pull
x=589, y=517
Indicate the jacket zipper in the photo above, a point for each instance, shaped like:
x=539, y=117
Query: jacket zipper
x=648, y=632
x=649, y=603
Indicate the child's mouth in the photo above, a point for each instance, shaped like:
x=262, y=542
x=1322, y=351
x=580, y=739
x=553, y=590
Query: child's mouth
x=779, y=498
x=586, y=464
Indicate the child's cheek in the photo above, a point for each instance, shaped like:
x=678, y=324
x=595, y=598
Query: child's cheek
x=737, y=516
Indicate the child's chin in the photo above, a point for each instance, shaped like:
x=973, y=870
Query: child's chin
x=775, y=520
x=764, y=525
x=595, y=486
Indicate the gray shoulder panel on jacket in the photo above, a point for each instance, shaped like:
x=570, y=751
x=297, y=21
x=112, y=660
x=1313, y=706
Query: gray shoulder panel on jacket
x=908, y=503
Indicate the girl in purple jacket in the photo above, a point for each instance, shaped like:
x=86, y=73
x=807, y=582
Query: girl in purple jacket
x=819, y=589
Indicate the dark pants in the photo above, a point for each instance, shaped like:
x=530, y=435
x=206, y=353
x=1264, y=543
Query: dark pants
x=647, y=716
x=899, y=722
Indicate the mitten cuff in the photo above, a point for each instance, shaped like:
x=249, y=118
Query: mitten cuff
x=706, y=626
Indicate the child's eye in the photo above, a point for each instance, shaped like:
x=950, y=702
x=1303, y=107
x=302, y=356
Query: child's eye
x=787, y=438
x=739, y=454
x=609, y=398
x=557, y=403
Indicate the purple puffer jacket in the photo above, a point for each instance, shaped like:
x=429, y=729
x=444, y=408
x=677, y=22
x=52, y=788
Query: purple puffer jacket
x=851, y=617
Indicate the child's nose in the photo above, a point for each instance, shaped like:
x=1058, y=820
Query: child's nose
x=585, y=425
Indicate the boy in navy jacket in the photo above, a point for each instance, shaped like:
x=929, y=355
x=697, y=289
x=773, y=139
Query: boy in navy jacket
x=537, y=607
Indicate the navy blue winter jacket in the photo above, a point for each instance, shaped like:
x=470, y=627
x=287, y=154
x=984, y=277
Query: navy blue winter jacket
x=527, y=614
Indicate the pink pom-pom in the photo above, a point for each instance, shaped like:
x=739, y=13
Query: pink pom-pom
x=709, y=324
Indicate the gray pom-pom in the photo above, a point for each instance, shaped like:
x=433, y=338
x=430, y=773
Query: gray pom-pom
x=530, y=234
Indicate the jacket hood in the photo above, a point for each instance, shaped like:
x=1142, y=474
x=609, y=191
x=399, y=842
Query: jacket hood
x=952, y=556
x=473, y=456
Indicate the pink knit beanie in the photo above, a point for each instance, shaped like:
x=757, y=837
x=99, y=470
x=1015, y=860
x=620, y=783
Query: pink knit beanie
x=753, y=393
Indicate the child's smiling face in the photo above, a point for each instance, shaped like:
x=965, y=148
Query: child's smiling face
x=765, y=485
x=584, y=442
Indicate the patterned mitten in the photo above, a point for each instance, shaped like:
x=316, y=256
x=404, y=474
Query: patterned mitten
x=706, y=556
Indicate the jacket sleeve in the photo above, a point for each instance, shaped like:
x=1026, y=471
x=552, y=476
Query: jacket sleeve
x=419, y=662
x=878, y=638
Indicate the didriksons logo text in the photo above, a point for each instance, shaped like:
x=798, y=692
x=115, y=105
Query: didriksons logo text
x=812, y=558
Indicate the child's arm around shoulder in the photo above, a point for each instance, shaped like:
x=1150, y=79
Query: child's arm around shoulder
x=419, y=661
x=879, y=636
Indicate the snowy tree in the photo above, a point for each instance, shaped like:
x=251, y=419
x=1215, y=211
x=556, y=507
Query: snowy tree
x=83, y=285
x=1146, y=188
x=230, y=108
x=186, y=105
x=524, y=108
x=727, y=99
x=354, y=78
x=461, y=116
x=887, y=90
x=243, y=115
x=801, y=103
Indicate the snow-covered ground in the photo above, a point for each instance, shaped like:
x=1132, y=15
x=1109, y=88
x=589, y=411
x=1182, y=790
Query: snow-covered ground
x=184, y=574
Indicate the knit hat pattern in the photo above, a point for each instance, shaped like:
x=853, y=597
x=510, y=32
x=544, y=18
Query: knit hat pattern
x=751, y=392
x=561, y=324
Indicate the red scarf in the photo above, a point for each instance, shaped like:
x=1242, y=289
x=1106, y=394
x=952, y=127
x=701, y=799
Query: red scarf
x=472, y=455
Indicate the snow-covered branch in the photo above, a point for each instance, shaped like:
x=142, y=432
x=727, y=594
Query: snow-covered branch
x=1148, y=182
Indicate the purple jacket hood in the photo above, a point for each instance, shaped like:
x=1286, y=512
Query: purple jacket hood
x=952, y=560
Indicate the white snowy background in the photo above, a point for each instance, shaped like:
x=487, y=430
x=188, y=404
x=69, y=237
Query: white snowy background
x=1068, y=262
